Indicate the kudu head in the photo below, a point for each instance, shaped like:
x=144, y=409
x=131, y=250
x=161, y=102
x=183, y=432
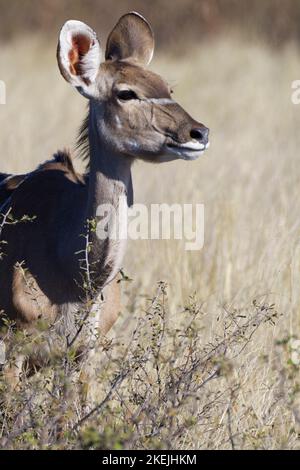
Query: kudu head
x=132, y=107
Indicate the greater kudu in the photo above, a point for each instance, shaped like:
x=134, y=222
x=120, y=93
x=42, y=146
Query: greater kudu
x=131, y=115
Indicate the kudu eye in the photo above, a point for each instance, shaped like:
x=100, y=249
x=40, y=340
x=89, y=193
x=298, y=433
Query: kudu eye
x=126, y=95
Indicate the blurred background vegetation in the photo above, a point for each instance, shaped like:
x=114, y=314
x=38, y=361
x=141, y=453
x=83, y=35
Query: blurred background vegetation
x=231, y=64
x=275, y=21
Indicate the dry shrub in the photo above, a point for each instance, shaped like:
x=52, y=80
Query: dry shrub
x=154, y=390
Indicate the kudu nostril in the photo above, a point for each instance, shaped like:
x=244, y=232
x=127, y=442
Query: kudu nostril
x=200, y=134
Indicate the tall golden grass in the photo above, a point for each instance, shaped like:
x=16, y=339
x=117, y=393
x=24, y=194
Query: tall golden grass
x=249, y=183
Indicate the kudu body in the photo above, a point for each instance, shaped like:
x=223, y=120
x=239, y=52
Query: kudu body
x=131, y=115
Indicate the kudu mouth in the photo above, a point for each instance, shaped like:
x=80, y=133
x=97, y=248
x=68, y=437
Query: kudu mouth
x=187, y=151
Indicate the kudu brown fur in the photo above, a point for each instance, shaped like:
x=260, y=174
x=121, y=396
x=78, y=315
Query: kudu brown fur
x=131, y=115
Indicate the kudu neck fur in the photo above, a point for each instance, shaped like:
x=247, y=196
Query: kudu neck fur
x=109, y=182
x=110, y=171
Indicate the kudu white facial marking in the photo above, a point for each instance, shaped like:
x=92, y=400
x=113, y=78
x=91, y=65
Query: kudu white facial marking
x=161, y=101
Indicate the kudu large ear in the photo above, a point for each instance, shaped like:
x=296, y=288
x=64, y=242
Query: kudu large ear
x=131, y=38
x=79, y=56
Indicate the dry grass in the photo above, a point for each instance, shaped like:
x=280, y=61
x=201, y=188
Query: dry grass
x=248, y=182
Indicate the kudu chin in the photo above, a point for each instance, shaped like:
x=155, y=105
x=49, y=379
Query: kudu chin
x=51, y=259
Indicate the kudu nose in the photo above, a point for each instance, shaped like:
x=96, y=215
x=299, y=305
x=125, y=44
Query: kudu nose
x=200, y=134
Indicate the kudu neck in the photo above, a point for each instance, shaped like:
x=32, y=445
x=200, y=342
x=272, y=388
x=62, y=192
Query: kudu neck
x=110, y=171
x=109, y=183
